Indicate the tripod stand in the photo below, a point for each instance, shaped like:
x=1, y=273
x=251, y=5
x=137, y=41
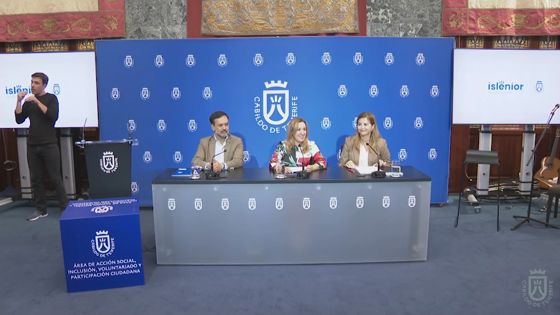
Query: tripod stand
x=527, y=218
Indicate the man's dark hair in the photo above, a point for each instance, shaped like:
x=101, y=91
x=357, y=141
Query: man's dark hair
x=216, y=115
x=41, y=76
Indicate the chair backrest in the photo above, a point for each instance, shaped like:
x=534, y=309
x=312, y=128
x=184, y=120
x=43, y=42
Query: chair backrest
x=482, y=157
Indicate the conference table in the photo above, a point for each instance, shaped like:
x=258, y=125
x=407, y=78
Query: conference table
x=247, y=216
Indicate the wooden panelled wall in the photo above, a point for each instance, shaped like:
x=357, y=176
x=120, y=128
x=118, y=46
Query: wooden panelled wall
x=506, y=139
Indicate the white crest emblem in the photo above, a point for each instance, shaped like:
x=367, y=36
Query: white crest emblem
x=360, y=202
x=276, y=101
x=171, y=204
x=207, y=93
x=101, y=209
x=103, y=245
x=411, y=201
x=306, y=203
x=115, y=94
x=222, y=60
x=434, y=91
x=432, y=154
x=198, y=204
x=161, y=125
x=225, y=204
x=358, y=58
x=147, y=157
x=56, y=89
x=279, y=203
x=333, y=203
x=338, y=154
x=404, y=91
x=134, y=187
x=252, y=203
x=290, y=59
x=418, y=123
x=373, y=90
x=537, y=289
x=389, y=59
x=326, y=58
x=388, y=123
x=145, y=94
x=355, y=123
x=342, y=90
x=258, y=60
x=402, y=154
x=128, y=61
x=326, y=123
x=192, y=125
x=131, y=125
x=246, y=156
x=177, y=157
x=175, y=93
x=386, y=202
x=539, y=86
x=190, y=61
x=158, y=61
x=420, y=59
x=108, y=162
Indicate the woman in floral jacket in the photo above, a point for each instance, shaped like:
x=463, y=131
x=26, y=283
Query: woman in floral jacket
x=297, y=150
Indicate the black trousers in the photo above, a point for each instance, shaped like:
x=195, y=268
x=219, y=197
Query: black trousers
x=44, y=162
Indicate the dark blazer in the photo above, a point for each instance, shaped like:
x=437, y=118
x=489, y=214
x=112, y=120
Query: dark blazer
x=233, y=156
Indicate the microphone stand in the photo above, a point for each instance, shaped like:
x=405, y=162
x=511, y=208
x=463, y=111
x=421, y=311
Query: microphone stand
x=379, y=173
x=211, y=174
x=303, y=174
x=527, y=218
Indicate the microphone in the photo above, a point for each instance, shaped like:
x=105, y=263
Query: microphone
x=83, y=141
x=379, y=173
x=212, y=173
x=555, y=108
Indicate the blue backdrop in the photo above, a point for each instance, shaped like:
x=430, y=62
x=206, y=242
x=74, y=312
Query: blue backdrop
x=162, y=92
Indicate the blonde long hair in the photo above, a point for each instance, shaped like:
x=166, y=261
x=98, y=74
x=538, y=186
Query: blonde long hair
x=373, y=137
x=290, y=142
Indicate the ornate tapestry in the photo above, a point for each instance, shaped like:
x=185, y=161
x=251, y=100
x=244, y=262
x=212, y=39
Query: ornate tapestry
x=278, y=17
x=500, y=17
x=31, y=20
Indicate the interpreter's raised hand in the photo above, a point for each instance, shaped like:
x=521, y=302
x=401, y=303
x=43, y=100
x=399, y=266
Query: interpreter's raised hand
x=21, y=95
x=32, y=98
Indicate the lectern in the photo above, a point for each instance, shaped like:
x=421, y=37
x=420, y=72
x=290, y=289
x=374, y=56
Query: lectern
x=108, y=167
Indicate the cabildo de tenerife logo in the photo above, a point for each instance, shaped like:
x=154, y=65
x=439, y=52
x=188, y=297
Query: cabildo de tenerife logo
x=176, y=93
x=128, y=62
x=258, y=60
x=115, y=94
x=103, y=245
x=108, y=162
x=192, y=125
x=159, y=61
x=537, y=290
x=326, y=58
x=275, y=107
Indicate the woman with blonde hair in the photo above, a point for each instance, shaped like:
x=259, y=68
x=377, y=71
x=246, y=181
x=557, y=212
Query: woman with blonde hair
x=297, y=150
x=366, y=147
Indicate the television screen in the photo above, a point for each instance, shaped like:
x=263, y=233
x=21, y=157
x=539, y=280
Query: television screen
x=71, y=78
x=497, y=86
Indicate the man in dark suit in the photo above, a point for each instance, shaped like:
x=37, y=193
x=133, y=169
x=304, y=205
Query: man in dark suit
x=220, y=151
